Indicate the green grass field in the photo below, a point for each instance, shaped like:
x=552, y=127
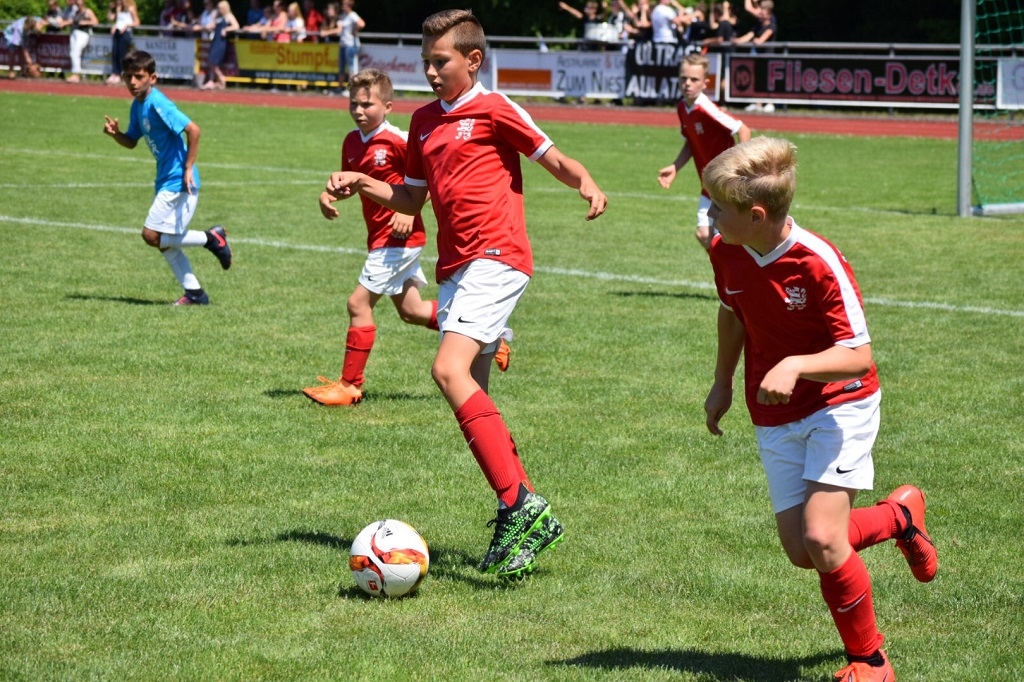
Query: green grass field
x=173, y=508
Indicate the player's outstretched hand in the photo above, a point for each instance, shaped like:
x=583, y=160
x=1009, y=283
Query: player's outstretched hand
x=595, y=197
x=327, y=208
x=666, y=175
x=340, y=185
x=111, y=127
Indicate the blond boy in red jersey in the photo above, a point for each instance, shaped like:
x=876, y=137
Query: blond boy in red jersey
x=464, y=149
x=707, y=131
x=791, y=307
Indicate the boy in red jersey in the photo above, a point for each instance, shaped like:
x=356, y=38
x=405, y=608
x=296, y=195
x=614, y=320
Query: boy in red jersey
x=394, y=240
x=707, y=132
x=464, y=148
x=791, y=306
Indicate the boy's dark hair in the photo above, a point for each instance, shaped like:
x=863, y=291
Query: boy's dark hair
x=367, y=78
x=136, y=61
x=466, y=31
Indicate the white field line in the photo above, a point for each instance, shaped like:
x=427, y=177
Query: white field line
x=565, y=272
x=320, y=176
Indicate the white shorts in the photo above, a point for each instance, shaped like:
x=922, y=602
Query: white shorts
x=387, y=269
x=478, y=300
x=702, y=212
x=831, y=446
x=172, y=212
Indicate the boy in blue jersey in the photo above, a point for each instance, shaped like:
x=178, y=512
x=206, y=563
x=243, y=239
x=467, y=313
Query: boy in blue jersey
x=156, y=119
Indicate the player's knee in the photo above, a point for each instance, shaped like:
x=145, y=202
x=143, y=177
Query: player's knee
x=151, y=238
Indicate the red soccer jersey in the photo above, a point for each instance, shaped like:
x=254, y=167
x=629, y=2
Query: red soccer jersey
x=467, y=155
x=799, y=299
x=381, y=155
x=707, y=129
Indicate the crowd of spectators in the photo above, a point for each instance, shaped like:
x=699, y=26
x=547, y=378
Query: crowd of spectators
x=617, y=22
x=601, y=24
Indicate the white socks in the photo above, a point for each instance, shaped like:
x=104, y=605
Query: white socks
x=181, y=267
x=190, y=238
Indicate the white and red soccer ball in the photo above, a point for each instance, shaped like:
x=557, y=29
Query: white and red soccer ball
x=389, y=559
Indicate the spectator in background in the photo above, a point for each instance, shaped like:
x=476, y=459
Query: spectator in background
x=224, y=23
x=207, y=18
x=641, y=29
x=295, y=28
x=279, y=23
x=349, y=26
x=723, y=31
x=124, y=18
x=81, y=19
x=182, y=19
x=330, y=25
x=53, y=18
x=255, y=13
x=260, y=27
x=764, y=30
x=590, y=16
x=664, y=19
x=314, y=20
x=697, y=27
x=166, y=18
x=621, y=18
x=20, y=36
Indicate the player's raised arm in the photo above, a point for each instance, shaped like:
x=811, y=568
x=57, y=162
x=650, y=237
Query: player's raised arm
x=112, y=127
x=571, y=173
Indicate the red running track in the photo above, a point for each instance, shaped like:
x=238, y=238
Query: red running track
x=878, y=125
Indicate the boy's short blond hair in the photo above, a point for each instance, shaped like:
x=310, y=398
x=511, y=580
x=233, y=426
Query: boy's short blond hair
x=695, y=59
x=466, y=31
x=367, y=78
x=760, y=171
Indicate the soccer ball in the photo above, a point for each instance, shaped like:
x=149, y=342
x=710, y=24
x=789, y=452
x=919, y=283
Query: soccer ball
x=389, y=559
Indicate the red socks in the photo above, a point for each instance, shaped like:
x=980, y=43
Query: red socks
x=358, y=344
x=847, y=591
x=872, y=525
x=492, y=446
x=433, y=317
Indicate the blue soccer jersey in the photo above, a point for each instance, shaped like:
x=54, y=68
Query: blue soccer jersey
x=160, y=122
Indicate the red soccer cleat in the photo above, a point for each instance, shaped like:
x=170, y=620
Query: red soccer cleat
x=915, y=543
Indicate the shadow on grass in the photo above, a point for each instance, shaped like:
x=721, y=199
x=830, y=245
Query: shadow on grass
x=445, y=564
x=665, y=294
x=312, y=537
x=116, y=299
x=710, y=666
x=276, y=393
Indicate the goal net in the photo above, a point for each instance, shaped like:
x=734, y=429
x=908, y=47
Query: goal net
x=996, y=128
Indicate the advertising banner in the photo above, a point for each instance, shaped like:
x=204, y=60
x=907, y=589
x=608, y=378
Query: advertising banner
x=652, y=72
x=855, y=80
x=287, y=61
x=1010, y=84
x=175, y=57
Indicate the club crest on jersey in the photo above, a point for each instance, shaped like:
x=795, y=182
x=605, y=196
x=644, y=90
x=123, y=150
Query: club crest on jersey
x=796, y=298
x=465, y=129
x=699, y=127
x=380, y=157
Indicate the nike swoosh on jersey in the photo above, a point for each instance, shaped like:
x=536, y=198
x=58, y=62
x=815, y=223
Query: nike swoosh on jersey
x=733, y=292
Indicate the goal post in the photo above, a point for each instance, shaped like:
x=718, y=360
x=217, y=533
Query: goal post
x=990, y=152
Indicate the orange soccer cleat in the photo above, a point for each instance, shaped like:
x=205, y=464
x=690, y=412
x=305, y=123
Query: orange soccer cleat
x=915, y=543
x=503, y=356
x=863, y=672
x=330, y=392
